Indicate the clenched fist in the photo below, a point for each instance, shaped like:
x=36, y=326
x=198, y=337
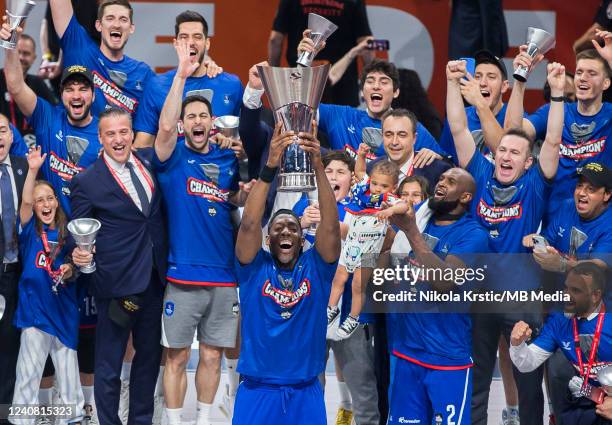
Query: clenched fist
x=520, y=333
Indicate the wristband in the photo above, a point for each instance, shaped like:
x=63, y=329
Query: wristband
x=557, y=99
x=267, y=174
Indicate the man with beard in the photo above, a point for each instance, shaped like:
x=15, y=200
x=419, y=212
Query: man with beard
x=284, y=296
x=487, y=110
x=67, y=133
x=119, y=80
x=587, y=126
x=199, y=181
x=584, y=336
x=224, y=90
x=510, y=201
x=433, y=345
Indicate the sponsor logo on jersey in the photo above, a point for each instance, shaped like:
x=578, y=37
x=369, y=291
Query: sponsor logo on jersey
x=63, y=168
x=583, y=150
x=113, y=94
x=353, y=153
x=499, y=214
x=206, y=190
x=286, y=298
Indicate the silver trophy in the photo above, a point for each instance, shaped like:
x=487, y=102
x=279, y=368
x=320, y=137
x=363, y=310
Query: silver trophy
x=295, y=94
x=84, y=231
x=17, y=11
x=604, y=376
x=320, y=30
x=538, y=41
x=228, y=126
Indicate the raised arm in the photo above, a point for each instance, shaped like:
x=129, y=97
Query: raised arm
x=455, y=113
x=606, y=50
x=35, y=161
x=62, y=12
x=165, y=141
x=23, y=95
x=327, y=238
x=360, y=162
x=515, y=111
x=491, y=129
x=339, y=68
x=275, y=47
x=549, y=154
x=249, y=238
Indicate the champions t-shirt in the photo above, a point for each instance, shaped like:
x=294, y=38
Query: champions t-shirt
x=507, y=223
x=196, y=188
x=584, y=140
x=69, y=149
x=558, y=332
x=118, y=84
x=283, y=328
x=226, y=97
x=55, y=314
x=344, y=125
x=442, y=338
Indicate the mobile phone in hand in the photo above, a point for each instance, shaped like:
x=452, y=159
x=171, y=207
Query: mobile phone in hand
x=379, y=45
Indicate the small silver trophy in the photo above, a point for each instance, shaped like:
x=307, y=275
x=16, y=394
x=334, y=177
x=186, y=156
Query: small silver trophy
x=538, y=41
x=295, y=94
x=320, y=30
x=228, y=126
x=17, y=12
x=84, y=231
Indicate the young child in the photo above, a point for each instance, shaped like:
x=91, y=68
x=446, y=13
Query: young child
x=413, y=189
x=367, y=227
x=47, y=312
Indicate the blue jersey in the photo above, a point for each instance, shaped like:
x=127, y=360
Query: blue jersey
x=473, y=122
x=584, y=140
x=69, y=149
x=118, y=84
x=558, y=332
x=508, y=223
x=344, y=124
x=226, y=97
x=196, y=189
x=442, y=339
x=19, y=146
x=283, y=329
x=55, y=314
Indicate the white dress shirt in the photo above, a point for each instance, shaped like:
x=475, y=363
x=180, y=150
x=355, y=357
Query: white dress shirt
x=123, y=173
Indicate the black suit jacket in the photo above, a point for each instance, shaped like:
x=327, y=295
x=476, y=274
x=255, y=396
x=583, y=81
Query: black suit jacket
x=129, y=245
x=19, y=167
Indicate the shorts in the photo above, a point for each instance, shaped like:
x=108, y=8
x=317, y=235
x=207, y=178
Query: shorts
x=212, y=310
x=432, y=394
x=265, y=404
x=364, y=241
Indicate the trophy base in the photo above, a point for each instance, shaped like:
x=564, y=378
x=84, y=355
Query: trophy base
x=88, y=269
x=296, y=182
x=8, y=44
x=520, y=74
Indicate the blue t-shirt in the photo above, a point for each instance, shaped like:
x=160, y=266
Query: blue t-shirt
x=508, y=223
x=55, y=314
x=226, y=99
x=283, y=330
x=558, y=332
x=19, y=146
x=69, y=149
x=473, y=122
x=442, y=338
x=118, y=83
x=584, y=140
x=196, y=188
x=344, y=124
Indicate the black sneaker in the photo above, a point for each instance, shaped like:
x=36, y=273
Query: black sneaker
x=333, y=315
x=347, y=327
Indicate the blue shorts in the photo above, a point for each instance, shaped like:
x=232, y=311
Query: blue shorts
x=267, y=404
x=432, y=394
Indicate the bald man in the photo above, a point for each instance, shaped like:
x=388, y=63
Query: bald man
x=432, y=341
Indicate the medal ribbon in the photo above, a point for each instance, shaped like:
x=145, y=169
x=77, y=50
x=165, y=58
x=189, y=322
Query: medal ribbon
x=140, y=167
x=48, y=261
x=596, y=338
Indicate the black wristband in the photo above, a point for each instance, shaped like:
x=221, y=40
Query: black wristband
x=267, y=174
x=557, y=98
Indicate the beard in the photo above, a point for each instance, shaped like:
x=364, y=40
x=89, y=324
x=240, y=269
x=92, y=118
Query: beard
x=442, y=207
x=86, y=109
